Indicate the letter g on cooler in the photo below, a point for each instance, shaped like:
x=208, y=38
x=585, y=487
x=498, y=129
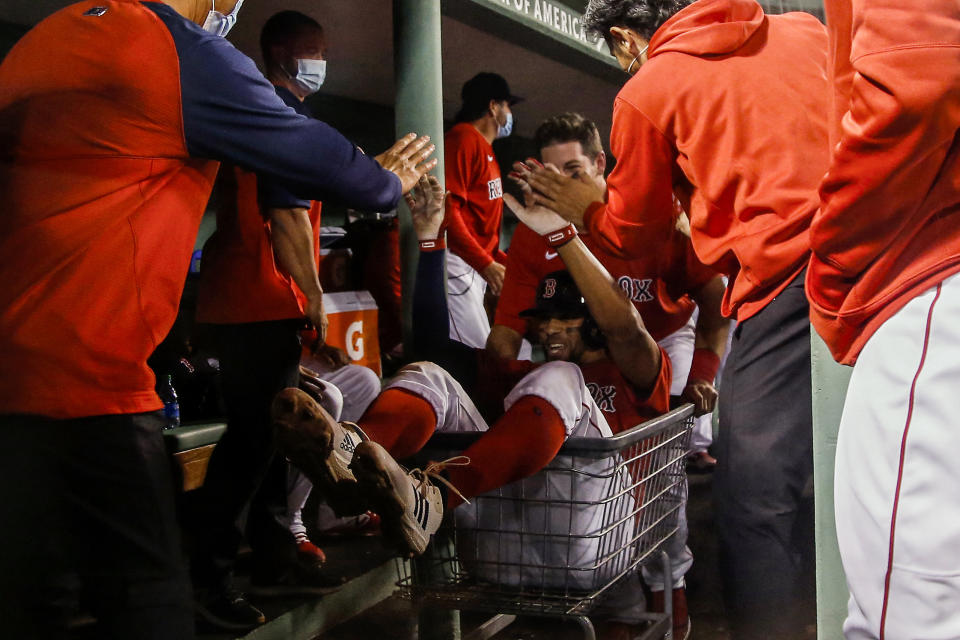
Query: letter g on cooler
x=354, y=340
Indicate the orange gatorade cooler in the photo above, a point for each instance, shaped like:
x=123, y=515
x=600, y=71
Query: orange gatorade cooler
x=352, y=317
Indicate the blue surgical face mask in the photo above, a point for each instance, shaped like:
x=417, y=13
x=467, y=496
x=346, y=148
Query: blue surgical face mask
x=504, y=130
x=310, y=74
x=219, y=24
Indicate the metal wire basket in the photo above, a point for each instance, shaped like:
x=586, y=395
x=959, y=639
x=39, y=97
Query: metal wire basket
x=555, y=543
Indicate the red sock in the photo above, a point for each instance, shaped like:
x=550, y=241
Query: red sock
x=523, y=441
x=399, y=421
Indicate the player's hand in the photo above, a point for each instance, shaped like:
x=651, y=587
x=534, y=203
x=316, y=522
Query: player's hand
x=407, y=158
x=331, y=356
x=702, y=394
x=426, y=202
x=493, y=273
x=569, y=197
x=317, y=316
x=539, y=218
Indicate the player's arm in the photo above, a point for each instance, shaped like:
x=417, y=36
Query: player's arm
x=291, y=236
x=519, y=293
x=631, y=347
x=638, y=209
x=230, y=112
x=504, y=342
x=431, y=316
x=709, y=344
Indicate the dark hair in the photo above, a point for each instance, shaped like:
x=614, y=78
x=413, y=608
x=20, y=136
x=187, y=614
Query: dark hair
x=643, y=16
x=478, y=91
x=280, y=27
x=471, y=112
x=569, y=127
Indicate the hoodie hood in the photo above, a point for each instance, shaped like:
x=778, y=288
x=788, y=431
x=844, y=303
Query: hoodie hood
x=708, y=27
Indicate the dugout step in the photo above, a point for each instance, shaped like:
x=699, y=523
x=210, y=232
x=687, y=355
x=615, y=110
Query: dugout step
x=372, y=575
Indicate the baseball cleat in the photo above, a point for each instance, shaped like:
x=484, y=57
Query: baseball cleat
x=410, y=507
x=320, y=447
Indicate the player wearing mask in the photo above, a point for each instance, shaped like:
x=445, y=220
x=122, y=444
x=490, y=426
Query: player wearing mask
x=710, y=115
x=103, y=203
x=258, y=283
x=475, y=204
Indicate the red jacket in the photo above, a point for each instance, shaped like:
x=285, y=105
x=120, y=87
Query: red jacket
x=730, y=112
x=889, y=224
x=101, y=206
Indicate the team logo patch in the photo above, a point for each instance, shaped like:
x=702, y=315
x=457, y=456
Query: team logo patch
x=603, y=396
x=549, y=287
x=636, y=289
x=495, y=189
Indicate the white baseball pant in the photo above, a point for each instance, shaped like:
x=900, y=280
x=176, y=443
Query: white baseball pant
x=469, y=323
x=562, y=385
x=897, y=494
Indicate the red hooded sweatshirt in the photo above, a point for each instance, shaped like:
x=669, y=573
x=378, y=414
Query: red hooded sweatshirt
x=889, y=224
x=729, y=111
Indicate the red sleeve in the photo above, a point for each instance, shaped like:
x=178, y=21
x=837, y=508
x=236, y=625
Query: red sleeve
x=657, y=401
x=659, y=397
x=521, y=279
x=460, y=171
x=639, y=208
x=899, y=126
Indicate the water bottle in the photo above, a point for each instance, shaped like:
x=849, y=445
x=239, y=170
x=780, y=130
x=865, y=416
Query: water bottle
x=171, y=408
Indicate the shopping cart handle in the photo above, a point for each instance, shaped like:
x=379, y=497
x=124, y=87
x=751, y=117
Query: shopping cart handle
x=579, y=446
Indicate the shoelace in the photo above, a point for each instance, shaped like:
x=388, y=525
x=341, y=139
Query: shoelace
x=433, y=469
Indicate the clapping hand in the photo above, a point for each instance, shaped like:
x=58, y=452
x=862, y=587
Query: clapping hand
x=407, y=158
x=426, y=201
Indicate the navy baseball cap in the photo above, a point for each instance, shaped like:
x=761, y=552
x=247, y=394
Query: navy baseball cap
x=557, y=297
x=486, y=86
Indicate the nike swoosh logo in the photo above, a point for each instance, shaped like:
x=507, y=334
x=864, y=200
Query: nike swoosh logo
x=551, y=255
x=489, y=158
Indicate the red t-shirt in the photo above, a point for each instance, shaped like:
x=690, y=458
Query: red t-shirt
x=658, y=281
x=240, y=280
x=622, y=405
x=475, y=203
x=619, y=401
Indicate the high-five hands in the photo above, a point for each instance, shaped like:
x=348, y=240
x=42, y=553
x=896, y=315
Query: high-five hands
x=426, y=201
x=407, y=158
x=539, y=218
x=568, y=197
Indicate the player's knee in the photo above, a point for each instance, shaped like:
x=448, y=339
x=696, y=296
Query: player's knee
x=364, y=383
x=561, y=376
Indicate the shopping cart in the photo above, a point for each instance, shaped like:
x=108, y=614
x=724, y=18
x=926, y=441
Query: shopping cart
x=558, y=543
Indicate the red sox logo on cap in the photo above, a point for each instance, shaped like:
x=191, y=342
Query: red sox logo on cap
x=549, y=287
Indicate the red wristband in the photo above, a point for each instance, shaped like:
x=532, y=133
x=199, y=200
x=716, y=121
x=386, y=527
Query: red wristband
x=561, y=236
x=705, y=365
x=437, y=244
